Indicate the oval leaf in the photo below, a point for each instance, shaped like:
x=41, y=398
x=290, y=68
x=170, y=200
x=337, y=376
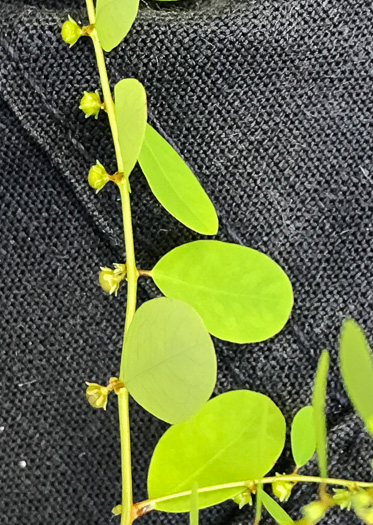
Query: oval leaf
x=356, y=362
x=318, y=403
x=236, y=436
x=175, y=186
x=241, y=294
x=169, y=361
x=303, y=439
x=114, y=19
x=275, y=510
x=131, y=115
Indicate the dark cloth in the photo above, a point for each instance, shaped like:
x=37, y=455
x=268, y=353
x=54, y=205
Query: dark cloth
x=270, y=102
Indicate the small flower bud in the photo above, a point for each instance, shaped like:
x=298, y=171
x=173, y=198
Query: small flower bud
x=110, y=279
x=97, y=177
x=343, y=498
x=71, y=32
x=117, y=511
x=243, y=499
x=97, y=395
x=91, y=104
x=282, y=489
x=314, y=511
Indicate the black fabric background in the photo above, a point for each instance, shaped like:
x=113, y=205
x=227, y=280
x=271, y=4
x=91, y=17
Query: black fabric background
x=270, y=102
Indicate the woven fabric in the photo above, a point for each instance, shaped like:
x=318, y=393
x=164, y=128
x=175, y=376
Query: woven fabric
x=270, y=102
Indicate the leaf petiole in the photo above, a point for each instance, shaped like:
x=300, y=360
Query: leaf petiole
x=151, y=504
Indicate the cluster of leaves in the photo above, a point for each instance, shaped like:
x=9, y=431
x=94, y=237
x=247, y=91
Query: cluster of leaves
x=239, y=435
x=221, y=448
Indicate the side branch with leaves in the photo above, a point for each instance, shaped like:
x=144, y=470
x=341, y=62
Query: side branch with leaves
x=222, y=448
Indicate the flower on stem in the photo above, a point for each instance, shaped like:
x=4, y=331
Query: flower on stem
x=245, y=498
x=362, y=503
x=97, y=395
x=315, y=511
x=282, y=489
x=343, y=498
x=71, y=31
x=91, y=104
x=110, y=279
x=98, y=177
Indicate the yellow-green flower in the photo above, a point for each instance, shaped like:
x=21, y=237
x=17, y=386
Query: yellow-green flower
x=97, y=395
x=282, y=489
x=71, y=32
x=91, y=104
x=243, y=499
x=362, y=503
x=314, y=511
x=343, y=498
x=97, y=177
x=110, y=279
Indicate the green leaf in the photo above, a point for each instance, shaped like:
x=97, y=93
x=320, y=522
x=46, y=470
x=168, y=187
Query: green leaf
x=275, y=510
x=241, y=294
x=259, y=502
x=194, y=512
x=175, y=186
x=356, y=362
x=131, y=114
x=318, y=403
x=303, y=439
x=169, y=360
x=114, y=19
x=236, y=436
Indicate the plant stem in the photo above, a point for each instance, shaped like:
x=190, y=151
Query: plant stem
x=150, y=504
x=105, y=85
x=132, y=274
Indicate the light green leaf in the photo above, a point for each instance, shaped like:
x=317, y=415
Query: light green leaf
x=318, y=403
x=175, y=186
x=259, y=502
x=303, y=438
x=241, y=294
x=114, y=19
x=131, y=114
x=275, y=510
x=356, y=362
x=169, y=360
x=194, y=512
x=236, y=436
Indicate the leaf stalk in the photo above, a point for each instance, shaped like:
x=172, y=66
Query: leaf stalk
x=151, y=504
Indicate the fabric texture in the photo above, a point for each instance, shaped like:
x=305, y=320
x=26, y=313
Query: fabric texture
x=270, y=102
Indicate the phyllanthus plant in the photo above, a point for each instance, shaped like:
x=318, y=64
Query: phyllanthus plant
x=221, y=448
